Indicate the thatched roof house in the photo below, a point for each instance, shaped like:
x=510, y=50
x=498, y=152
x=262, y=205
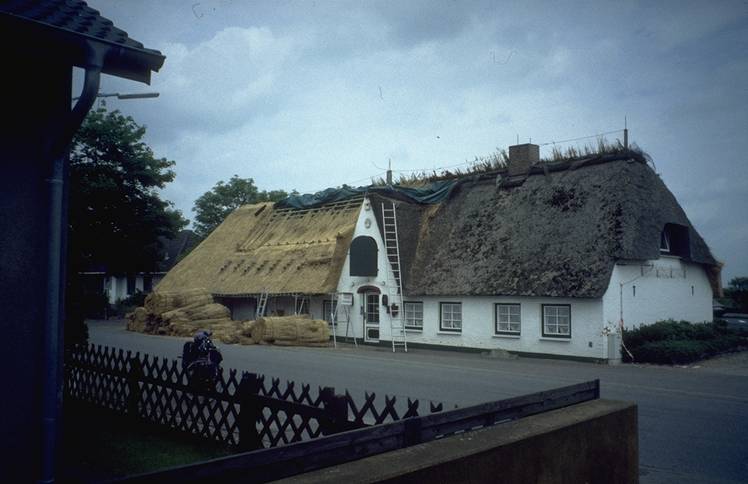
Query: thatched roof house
x=532, y=243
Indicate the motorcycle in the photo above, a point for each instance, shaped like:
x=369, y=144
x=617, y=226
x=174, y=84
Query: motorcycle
x=201, y=361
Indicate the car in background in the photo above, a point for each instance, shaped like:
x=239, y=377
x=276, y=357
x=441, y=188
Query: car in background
x=737, y=321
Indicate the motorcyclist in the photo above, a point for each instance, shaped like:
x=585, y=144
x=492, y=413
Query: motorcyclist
x=201, y=361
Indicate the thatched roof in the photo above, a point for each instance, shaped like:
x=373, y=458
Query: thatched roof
x=557, y=232
x=259, y=248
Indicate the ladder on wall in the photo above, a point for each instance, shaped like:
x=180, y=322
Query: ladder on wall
x=394, y=278
x=300, y=304
x=262, y=303
x=336, y=311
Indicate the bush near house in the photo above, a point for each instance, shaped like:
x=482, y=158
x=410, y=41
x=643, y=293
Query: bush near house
x=128, y=304
x=679, y=342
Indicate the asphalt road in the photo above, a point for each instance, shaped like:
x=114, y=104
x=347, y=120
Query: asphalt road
x=693, y=422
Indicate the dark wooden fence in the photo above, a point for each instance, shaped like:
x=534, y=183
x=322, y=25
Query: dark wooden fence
x=271, y=464
x=248, y=412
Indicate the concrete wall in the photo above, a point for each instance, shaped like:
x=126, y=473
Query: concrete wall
x=666, y=288
x=593, y=442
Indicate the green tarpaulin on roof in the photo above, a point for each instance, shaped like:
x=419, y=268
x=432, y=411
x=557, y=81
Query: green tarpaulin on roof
x=434, y=192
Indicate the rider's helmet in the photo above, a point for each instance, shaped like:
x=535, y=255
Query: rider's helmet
x=202, y=340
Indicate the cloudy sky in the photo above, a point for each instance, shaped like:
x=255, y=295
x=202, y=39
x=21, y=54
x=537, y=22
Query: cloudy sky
x=310, y=94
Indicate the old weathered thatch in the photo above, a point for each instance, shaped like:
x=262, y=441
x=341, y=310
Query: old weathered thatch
x=556, y=233
x=259, y=248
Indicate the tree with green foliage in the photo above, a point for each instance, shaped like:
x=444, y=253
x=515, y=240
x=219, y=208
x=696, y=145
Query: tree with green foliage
x=116, y=214
x=216, y=204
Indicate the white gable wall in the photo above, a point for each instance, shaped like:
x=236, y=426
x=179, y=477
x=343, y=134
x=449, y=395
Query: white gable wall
x=666, y=288
x=348, y=283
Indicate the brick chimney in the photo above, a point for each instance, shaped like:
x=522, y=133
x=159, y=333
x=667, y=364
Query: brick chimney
x=522, y=157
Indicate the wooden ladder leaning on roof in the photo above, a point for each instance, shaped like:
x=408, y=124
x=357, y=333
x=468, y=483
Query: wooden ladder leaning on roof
x=394, y=279
x=262, y=302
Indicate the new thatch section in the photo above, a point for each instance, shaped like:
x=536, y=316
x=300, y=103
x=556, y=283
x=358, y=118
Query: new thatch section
x=261, y=249
x=557, y=232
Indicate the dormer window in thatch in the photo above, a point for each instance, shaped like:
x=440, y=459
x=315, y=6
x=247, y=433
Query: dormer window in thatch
x=674, y=240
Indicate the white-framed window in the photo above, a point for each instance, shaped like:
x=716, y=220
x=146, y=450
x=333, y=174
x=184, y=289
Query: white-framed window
x=508, y=319
x=665, y=242
x=413, y=314
x=328, y=309
x=450, y=317
x=557, y=320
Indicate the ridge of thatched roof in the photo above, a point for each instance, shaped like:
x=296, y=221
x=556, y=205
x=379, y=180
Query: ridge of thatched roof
x=259, y=248
x=556, y=232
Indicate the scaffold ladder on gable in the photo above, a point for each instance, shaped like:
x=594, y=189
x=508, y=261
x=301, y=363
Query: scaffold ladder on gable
x=340, y=313
x=394, y=277
x=262, y=302
x=300, y=304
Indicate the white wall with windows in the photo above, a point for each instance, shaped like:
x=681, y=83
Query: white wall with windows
x=120, y=287
x=570, y=327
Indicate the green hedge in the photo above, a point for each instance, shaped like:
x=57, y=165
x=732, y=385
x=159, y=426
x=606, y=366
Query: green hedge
x=679, y=342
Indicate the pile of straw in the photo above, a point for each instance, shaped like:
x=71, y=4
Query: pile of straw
x=299, y=330
x=184, y=313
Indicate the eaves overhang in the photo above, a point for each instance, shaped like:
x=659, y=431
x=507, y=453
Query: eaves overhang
x=64, y=30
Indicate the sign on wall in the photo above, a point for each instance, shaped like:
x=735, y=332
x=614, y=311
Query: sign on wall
x=345, y=299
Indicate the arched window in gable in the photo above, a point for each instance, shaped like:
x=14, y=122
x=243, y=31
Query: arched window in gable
x=363, y=260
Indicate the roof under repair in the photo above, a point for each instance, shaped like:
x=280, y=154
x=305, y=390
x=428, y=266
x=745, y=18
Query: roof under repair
x=555, y=231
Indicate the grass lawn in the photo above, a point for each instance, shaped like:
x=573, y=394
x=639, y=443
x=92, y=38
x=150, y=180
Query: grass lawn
x=99, y=444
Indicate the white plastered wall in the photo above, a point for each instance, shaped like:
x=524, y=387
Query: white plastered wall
x=666, y=288
x=478, y=326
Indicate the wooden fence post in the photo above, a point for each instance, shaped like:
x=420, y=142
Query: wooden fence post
x=412, y=432
x=249, y=412
x=135, y=392
x=336, y=412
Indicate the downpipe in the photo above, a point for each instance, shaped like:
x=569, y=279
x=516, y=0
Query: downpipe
x=57, y=153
